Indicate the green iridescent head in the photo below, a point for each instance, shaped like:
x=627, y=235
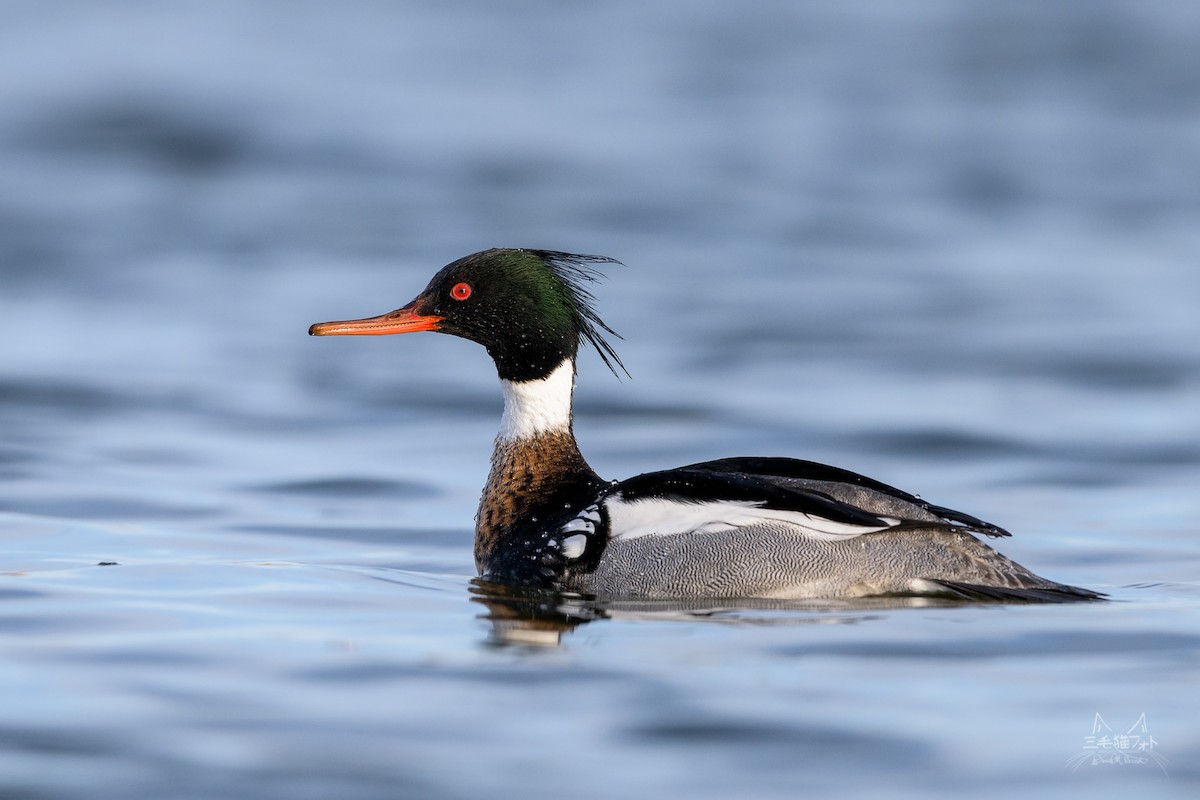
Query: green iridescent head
x=529, y=308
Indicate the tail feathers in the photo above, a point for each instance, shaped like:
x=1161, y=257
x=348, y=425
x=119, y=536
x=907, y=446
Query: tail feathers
x=1056, y=593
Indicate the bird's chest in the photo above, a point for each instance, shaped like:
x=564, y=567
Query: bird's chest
x=534, y=488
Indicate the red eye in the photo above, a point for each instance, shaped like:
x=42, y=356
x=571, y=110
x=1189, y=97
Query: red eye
x=461, y=291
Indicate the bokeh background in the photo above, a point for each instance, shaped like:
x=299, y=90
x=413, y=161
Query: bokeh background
x=953, y=246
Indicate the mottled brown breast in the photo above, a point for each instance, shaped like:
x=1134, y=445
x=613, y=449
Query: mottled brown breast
x=535, y=477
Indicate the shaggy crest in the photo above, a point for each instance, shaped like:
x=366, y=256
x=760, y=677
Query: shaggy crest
x=575, y=272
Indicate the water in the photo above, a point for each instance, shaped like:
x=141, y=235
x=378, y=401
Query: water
x=950, y=246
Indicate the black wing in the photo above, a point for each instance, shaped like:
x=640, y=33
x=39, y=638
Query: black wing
x=798, y=469
x=698, y=485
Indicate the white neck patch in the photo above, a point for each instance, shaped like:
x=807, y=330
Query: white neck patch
x=536, y=407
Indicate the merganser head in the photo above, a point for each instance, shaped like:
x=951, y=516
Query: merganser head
x=529, y=308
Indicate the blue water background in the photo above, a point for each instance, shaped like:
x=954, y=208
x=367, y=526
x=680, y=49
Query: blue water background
x=950, y=245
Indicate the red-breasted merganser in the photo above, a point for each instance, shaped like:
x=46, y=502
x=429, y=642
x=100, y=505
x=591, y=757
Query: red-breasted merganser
x=735, y=527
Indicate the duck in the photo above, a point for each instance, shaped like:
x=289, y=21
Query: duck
x=742, y=527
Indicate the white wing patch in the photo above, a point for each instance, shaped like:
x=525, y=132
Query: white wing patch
x=662, y=517
x=573, y=546
x=578, y=524
x=581, y=526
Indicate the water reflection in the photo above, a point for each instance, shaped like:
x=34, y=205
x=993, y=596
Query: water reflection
x=523, y=616
x=539, y=617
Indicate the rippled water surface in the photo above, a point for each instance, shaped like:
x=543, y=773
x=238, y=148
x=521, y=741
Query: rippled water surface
x=952, y=246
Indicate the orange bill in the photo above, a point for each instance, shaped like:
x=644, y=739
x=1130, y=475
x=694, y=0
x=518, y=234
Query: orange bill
x=402, y=320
